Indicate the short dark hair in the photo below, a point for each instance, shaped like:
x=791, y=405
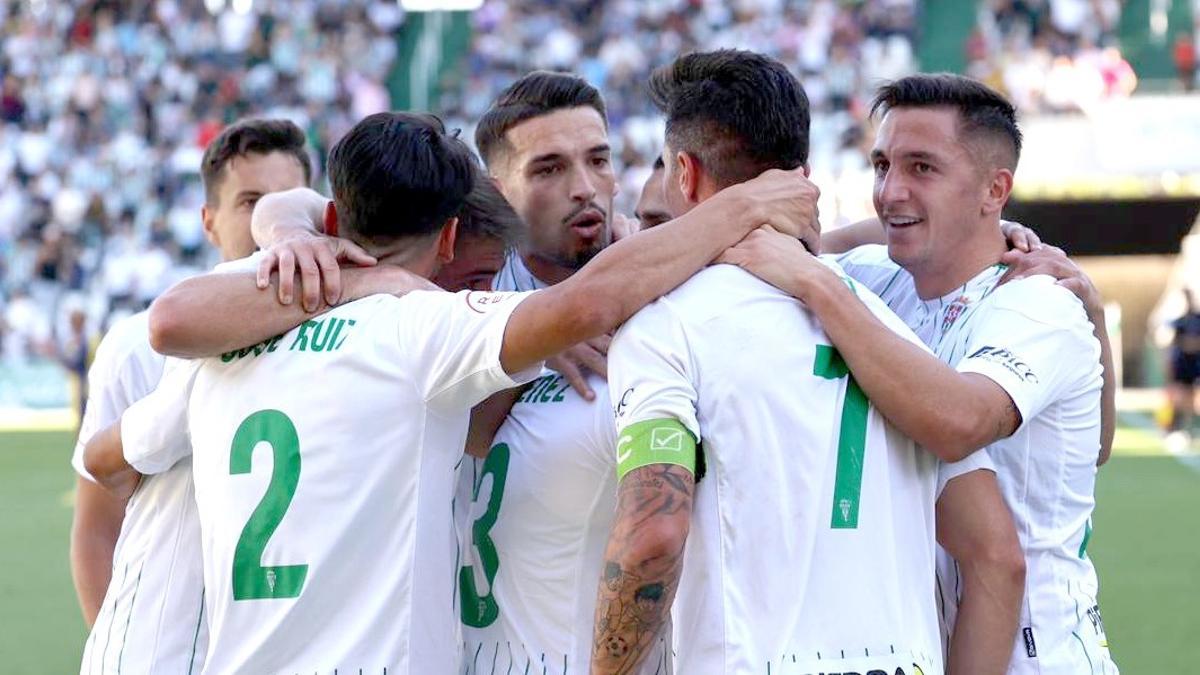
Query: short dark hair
x=487, y=214
x=538, y=93
x=982, y=111
x=396, y=175
x=257, y=136
x=738, y=112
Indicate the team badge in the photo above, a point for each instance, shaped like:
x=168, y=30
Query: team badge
x=954, y=311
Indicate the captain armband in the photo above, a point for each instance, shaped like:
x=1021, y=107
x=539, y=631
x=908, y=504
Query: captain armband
x=661, y=441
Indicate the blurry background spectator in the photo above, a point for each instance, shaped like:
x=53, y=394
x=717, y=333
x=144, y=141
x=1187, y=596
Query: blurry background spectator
x=106, y=106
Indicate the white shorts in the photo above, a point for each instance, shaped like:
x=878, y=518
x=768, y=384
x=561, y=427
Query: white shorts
x=1080, y=651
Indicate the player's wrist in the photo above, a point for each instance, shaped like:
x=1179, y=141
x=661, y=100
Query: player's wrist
x=818, y=287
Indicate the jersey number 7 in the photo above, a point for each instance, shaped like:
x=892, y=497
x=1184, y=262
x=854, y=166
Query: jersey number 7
x=852, y=439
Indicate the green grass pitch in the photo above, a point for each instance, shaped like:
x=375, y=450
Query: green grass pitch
x=1145, y=546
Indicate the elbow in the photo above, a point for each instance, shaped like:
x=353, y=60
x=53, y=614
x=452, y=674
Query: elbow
x=165, y=327
x=959, y=432
x=91, y=461
x=94, y=461
x=954, y=437
x=657, y=545
x=1001, y=563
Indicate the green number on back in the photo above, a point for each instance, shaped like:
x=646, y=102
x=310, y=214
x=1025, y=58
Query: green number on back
x=482, y=611
x=852, y=439
x=252, y=581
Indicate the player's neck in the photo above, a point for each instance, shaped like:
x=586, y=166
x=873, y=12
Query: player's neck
x=421, y=263
x=545, y=270
x=942, y=276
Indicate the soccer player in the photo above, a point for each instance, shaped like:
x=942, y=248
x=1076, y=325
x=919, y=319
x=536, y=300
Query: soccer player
x=1185, y=369
x=651, y=209
x=334, y=553
x=487, y=228
x=811, y=544
x=538, y=507
x=1027, y=362
x=137, y=565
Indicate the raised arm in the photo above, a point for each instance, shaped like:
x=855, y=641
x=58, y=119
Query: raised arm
x=218, y=312
x=870, y=231
x=638, y=269
x=949, y=413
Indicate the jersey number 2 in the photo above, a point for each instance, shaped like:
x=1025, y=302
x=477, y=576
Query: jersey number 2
x=852, y=439
x=478, y=611
x=251, y=580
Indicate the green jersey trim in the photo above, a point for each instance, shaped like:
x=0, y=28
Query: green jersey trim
x=660, y=441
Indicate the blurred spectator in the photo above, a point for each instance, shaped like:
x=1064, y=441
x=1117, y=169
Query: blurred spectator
x=105, y=108
x=1184, y=54
x=1050, y=55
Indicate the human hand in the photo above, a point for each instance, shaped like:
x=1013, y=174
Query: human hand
x=318, y=258
x=575, y=362
x=784, y=200
x=1053, y=261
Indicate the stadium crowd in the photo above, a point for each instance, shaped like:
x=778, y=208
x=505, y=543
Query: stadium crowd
x=106, y=107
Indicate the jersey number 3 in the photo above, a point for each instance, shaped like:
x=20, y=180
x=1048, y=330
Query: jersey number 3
x=251, y=580
x=852, y=439
x=480, y=611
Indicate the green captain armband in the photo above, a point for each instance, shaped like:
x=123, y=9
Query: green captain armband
x=663, y=441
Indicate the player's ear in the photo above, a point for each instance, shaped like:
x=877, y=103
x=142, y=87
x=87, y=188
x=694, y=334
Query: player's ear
x=331, y=221
x=445, y=242
x=998, y=191
x=689, y=175
x=208, y=217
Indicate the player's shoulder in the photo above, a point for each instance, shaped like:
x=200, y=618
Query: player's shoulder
x=1040, y=298
x=127, y=337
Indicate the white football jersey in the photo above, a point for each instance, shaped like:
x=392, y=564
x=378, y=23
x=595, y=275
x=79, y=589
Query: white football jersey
x=1033, y=338
x=324, y=468
x=812, y=540
x=151, y=617
x=536, y=516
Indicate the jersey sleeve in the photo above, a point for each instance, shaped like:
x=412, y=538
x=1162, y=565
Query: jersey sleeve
x=125, y=369
x=948, y=471
x=1036, y=342
x=154, y=430
x=870, y=266
x=456, y=340
x=651, y=380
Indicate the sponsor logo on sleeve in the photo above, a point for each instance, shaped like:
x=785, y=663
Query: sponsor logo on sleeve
x=1009, y=360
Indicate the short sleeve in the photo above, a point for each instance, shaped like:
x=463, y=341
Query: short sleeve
x=948, y=471
x=125, y=369
x=457, y=339
x=870, y=266
x=1035, y=341
x=154, y=431
x=650, y=371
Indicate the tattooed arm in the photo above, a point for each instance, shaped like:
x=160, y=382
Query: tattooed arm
x=643, y=560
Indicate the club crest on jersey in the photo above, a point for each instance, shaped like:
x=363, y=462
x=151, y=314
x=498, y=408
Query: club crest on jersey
x=954, y=311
